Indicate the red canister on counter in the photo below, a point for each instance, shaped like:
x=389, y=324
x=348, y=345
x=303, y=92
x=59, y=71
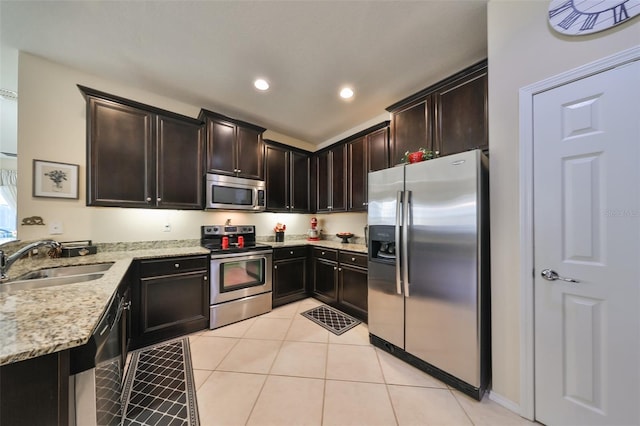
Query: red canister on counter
x=240, y=241
x=225, y=242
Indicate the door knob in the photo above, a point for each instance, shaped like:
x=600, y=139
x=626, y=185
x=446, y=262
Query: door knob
x=551, y=275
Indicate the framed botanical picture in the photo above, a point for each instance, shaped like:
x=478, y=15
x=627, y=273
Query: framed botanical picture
x=55, y=180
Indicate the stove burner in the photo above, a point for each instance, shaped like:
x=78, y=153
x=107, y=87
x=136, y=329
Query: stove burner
x=240, y=239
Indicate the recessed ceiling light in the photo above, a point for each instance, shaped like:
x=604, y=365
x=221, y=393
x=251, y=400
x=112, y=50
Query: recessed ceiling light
x=261, y=84
x=346, y=93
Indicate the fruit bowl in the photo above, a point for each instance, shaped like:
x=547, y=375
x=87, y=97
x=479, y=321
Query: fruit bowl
x=345, y=236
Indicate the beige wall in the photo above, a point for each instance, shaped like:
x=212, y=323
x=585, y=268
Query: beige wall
x=52, y=126
x=522, y=50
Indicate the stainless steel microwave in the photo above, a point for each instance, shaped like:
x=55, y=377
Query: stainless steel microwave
x=234, y=193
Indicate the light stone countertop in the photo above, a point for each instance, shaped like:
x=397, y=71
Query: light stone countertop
x=47, y=320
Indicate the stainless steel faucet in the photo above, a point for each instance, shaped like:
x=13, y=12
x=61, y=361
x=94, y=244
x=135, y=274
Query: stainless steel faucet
x=7, y=261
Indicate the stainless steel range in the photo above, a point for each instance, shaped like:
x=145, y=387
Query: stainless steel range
x=240, y=273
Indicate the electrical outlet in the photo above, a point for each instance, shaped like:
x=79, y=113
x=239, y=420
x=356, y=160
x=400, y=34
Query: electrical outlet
x=55, y=228
x=167, y=227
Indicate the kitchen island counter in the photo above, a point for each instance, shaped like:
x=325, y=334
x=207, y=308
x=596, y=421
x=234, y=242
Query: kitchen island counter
x=47, y=320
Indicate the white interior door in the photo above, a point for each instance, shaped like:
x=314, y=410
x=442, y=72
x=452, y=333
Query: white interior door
x=587, y=228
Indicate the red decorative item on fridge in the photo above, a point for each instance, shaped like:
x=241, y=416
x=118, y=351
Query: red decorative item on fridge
x=416, y=157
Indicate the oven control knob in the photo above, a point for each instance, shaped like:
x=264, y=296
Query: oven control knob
x=215, y=229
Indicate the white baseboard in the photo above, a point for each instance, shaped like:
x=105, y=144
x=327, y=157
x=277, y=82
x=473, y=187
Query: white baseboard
x=506, y=403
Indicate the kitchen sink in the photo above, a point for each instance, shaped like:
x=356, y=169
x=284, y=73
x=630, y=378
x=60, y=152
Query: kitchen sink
x=56, y=276
x=66, y=271
x=31, y=284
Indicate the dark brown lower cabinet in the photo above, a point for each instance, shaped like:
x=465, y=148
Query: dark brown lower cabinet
x=170, y=298
x=290, y=274
x=340, y=280
x=35, y=391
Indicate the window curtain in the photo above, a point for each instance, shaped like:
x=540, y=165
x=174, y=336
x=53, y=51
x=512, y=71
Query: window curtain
x=9, y=187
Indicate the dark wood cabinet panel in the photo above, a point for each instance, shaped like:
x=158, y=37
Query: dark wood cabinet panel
x=325, y=280
x=250, y=153
x=221, y=152
x=170, y=298
x=290, y=275
x=120, y=154
x=141, y=156
x=287, y=178
x=234, y=147
x=339, y=178
x=411, y=129
x=35, y=391
x=300, y=173
x=276, y=178
x=461, y=112
x=323, y=182
x=378, y=149
x=180, y=171
x=353, y=290
x=358, y=169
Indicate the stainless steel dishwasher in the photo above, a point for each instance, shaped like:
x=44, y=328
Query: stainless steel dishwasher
x=97, y=369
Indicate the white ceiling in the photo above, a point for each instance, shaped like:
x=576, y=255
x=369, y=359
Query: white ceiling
x=207, y=53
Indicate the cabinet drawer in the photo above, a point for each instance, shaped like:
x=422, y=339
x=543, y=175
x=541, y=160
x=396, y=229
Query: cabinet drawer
x=324, y=253
x=355, y=259
x=289, y=252
x=173, y=265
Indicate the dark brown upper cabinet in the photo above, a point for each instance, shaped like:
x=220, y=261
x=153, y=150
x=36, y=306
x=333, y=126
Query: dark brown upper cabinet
x=287, y=173
x=141, y=156
x=368, y=151
x=449, y=116
x=234, y=147
x=331, y=174
x=461, y=114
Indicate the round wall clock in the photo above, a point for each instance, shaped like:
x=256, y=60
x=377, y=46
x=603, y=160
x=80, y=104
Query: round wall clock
x=578, y=17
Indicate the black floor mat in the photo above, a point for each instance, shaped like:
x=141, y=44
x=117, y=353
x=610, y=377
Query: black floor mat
x=331, y=319
x=159, y=389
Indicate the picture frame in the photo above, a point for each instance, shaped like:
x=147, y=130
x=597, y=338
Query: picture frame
x=55, y=180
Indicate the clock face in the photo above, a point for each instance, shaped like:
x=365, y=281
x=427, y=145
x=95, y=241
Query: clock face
x=578, y=17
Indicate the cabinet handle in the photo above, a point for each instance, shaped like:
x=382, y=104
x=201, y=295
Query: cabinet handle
x=329, y=207
x=177, y=265
x=148, y=199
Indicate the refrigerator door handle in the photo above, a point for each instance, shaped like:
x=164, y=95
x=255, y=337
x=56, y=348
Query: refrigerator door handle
x=397, y=241
x=405, y=241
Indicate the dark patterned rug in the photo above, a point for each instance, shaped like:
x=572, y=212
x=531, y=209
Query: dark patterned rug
x=159, y=388
x=331, y=319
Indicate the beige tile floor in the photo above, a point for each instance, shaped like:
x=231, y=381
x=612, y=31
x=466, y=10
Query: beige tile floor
x=282, y=369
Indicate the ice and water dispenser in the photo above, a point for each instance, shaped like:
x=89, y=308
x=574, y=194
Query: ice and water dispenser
x=382, y=243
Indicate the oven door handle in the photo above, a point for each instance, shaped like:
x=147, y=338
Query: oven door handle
x=247, y=254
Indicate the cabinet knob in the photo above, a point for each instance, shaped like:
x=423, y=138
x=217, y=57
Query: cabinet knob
x=275, y=266
x=177, y=265
x=291, y=252
x=206, y=278
x=329, y=207
x=159, y=199
x=340, y=269
x=353, y=259
x=335, y=268
x=323, y=253
x=287, y=206
x=148, y=199
x=239, y=171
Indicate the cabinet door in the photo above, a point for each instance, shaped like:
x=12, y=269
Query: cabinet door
x=299, y=184
x=461, y=111
x=221, y=147
x=180, y=174
x=353, y=291
x=325, y=280
x=357, y=179
x=339, y=178
x=411, y=129
x=250, y=151
x=120, y=151
x=289, y=280
x=323, y=182
x=378, y=150
x=276, y=177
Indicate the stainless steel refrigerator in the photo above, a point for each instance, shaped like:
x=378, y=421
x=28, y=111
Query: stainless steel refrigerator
x=428, y=283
